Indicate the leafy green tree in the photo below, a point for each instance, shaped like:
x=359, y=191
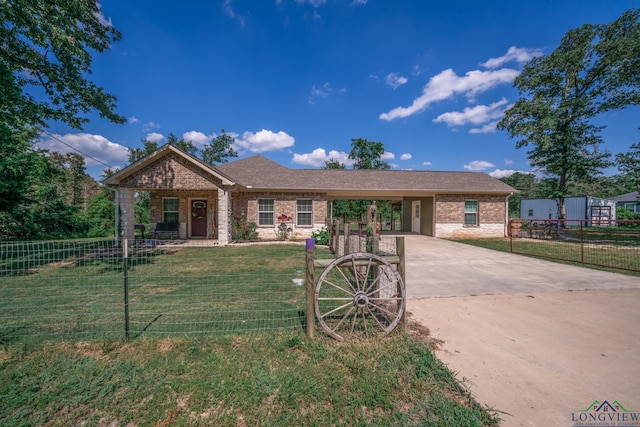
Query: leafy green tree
x=219, y=149
x=46, y=52
x=629, y=164
x=75, y=177
x=595, y=69
x=525, y=183
x=333, y=164
x=100, y=216
x=136, y=154
x=340, y=208
x=182, y=144
x=367, y=154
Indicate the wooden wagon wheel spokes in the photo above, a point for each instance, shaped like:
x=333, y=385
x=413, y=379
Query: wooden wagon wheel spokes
x=359, y=294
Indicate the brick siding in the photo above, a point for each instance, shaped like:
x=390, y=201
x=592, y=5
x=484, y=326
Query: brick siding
x=283, y=204
x=450, y=216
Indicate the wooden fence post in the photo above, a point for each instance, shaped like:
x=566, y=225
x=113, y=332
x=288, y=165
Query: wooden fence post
x=311, y=284
x=346, y=250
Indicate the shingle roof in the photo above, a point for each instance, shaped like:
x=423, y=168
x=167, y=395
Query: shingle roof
x=259, y=173
x=628, y=197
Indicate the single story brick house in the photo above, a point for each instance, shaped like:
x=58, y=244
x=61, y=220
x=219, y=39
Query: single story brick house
x=203, y=198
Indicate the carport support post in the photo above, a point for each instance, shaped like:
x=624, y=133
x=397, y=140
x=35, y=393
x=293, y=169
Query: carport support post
x=311, y=283
x=402, y=271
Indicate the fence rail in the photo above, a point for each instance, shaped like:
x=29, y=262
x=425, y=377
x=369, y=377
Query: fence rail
x=94, y=289
x=611, y=244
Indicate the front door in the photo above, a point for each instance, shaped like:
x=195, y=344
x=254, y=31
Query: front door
x=198, y=218
x=415, y=216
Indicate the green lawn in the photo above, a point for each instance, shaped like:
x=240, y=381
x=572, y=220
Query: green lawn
x=216, y=338
x=268, y=379
x=593, y=254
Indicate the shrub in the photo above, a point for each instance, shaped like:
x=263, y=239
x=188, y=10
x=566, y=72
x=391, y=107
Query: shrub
x=241, y=229
x=321, y=236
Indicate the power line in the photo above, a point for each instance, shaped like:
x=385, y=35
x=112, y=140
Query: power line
x=75, y=149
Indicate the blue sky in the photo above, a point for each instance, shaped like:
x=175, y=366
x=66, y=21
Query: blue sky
x=296, y=80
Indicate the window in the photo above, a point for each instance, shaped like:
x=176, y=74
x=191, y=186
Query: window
x=470, y=212
x=530, y=212
x=265, y=212
x=170, y=210
x=305, y=212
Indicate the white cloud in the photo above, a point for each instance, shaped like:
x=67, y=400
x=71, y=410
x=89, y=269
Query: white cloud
x=103, y=20
x=154, y=137
x=478, y=165
x=499, y=173
x=133, y=119
x=199, y=139
x=406, y=156
x=323, y=91
x=488, y=128
x=264, y=140
x=228, y=9
x=508, y=162
x=448, y=83
x=427, y=163
x=318, y=156
x=96, y=146
x=314, y=3
x=519, y=55
x=394, y=81
x=150, y=125
x=476, y=115
x=387, y=156
x=357, y=2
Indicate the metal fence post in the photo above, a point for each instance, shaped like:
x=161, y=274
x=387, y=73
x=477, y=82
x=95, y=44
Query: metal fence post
x=125, y=267
x=311, y=283
x=402, y=271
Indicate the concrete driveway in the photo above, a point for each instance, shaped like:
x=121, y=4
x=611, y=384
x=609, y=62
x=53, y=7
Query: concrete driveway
x=536, y=340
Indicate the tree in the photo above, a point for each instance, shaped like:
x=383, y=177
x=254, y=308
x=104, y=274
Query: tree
x=596, y=68
x=182, y=144
x=367, y=154
x=149, y=147
x=219, y=149
x=45, y=55
x=525, y=183
x=333, y=164
x=629, y=164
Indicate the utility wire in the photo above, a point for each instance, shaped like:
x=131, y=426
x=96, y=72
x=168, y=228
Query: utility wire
x=75, y=149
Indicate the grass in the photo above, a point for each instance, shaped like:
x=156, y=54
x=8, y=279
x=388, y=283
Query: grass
x=602, y=256
x=217, y=338
x=171, y=290
x=278, y=379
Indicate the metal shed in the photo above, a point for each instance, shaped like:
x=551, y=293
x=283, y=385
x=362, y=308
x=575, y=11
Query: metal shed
x=594, y=209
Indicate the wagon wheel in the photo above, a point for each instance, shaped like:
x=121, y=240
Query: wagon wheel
x=359, y=294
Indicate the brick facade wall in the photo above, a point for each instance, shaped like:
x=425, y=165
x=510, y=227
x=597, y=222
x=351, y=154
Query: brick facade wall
x=184, y=198
x=284, y=204
x=171, y=172
x=450, y=216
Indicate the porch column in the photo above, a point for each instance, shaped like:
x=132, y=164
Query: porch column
x=224, y=214
x=126, y=201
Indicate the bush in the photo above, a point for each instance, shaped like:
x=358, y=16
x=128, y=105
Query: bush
x=321, y=236
x=241, y=229
x=627, y=214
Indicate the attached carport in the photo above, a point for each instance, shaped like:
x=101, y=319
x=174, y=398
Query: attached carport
x=534, y=339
